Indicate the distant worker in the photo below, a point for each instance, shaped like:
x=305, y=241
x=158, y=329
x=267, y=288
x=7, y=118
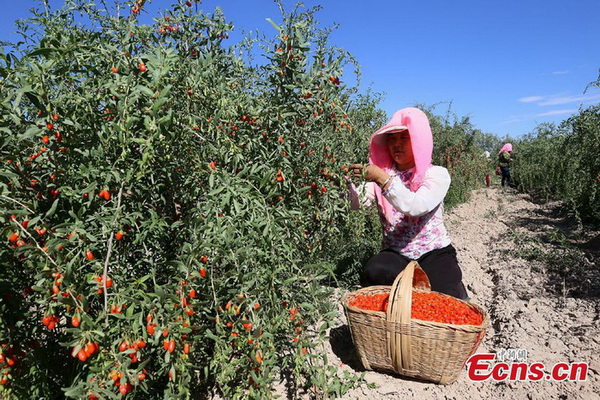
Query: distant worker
x=504, y=161
x=487, y=154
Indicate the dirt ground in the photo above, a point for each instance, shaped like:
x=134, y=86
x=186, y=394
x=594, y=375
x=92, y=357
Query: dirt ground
x=526, y=309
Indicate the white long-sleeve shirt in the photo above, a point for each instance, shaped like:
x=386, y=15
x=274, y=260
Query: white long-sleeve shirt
x=417, y=224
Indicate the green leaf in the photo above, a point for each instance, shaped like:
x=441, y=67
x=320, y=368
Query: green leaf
x=216, y=191
x=211, y=336
x=34, y=99
x=166, y=118
x=274, y=24
x=52, y=209
x=72, y=392
x=145, y=90
x=41, y=52
x=158, y=103
x=31, y=132
x=8, y=174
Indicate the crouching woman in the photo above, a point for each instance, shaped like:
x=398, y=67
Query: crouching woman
x=409, y=193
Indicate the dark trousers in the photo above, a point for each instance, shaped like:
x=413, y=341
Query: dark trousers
x=440, y=265
x=505, y=175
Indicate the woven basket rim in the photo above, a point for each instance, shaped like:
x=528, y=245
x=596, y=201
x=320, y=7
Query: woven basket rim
x=485, y=324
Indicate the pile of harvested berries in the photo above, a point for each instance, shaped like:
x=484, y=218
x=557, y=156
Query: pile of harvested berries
x=426, y=306
x=376, y=302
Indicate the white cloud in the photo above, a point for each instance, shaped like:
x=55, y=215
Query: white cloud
x=553, y=100
x=556, y=100
x=513, y=119
x=557, y=112
x=531, y=99
x=516, y=118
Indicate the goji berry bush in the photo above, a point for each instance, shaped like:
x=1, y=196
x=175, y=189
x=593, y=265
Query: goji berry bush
x=171, y=210
x=174, y=212
x=561, y=162
x=459, y=147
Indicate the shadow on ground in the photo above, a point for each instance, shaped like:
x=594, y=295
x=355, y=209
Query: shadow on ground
x=341, y=343
x=568, y=251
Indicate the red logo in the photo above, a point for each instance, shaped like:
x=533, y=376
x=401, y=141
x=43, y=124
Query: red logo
x=481, y=367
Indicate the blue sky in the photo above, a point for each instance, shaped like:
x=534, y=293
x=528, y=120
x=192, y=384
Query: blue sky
x=509, y=64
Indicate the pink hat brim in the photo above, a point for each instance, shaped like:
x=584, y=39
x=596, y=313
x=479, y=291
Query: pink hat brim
x=380, y=137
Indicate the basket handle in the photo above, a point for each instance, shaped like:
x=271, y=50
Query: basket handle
x=399, y=310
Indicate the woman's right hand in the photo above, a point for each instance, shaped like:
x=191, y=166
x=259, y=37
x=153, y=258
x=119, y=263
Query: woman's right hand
x=369, y=173
x=357, y=171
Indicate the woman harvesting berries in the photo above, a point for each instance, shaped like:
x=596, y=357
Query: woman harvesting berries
x=409, y=193
x=504, y=161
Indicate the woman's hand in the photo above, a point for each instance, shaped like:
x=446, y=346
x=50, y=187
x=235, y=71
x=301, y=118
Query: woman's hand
x=370, y=173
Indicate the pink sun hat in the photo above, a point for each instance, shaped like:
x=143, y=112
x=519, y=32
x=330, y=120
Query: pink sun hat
x=421, y=140
x=380, y=138
x=506, y=147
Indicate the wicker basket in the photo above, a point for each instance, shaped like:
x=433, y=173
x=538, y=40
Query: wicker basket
x=393, y=342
